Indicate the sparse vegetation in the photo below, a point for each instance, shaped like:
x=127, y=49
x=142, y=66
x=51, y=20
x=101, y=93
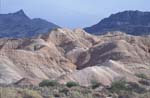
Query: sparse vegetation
x=10, y=92
x=118, y=86
x=48, y=83
x=145, y=82
x=72, y=84
x=134, y=87
x=95, y=84
x=119, y=89
x=142, y=76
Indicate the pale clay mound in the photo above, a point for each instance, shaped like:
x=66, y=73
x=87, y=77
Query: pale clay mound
x=74, y=55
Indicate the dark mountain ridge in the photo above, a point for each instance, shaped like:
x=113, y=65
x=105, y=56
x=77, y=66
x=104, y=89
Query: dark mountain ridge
x=18, y=24
x=131, y=22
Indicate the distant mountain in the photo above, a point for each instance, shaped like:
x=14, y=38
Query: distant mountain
x=18, y=24
x=131, y=22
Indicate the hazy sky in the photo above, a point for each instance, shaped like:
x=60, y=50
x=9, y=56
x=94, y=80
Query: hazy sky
x=73, y=13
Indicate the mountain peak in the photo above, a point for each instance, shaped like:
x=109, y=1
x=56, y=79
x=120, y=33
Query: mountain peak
x=20, y=22
x=133, y=22
x=20, y=13
x=129, y=13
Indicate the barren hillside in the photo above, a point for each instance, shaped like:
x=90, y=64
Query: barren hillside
x=74, y=55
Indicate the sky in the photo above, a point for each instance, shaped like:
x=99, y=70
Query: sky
x=73, y=13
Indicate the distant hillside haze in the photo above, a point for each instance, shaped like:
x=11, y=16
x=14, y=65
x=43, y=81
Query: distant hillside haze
x=18, y=25
x=130, y=22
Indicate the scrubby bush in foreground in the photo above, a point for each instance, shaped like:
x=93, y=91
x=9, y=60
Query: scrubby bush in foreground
x=48, y=83
x=72, y=84
x=117, y=86
x=95, y=84
x=142, y=76
x=10, y=92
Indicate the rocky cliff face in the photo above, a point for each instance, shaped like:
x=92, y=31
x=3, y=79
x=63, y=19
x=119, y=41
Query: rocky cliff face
x=130, y=22
x=74, y=55
x=15, y=25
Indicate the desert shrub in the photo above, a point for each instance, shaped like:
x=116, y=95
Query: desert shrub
x=89, y=95
x=30, y=94
x=128, y=87
x=10, y=92
x=86, y=91
x=136, y=88
x=64, y=90
x=72, y=84
x=124, y=96
x=144, y=82
x=142, y=76
x=76, y=94
x=117, y=86
x=98, y=95
x=95, y=84
x=145, y=95
x=48, y=83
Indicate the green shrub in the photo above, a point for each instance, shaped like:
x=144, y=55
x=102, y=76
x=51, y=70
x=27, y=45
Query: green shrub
x=72, y=84
x=95, y=84
x=136, y=87
x=142, y=76
x=48, y=83
x=117, y=86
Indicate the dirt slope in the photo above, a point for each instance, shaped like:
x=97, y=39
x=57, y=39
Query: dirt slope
x=74, y=55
